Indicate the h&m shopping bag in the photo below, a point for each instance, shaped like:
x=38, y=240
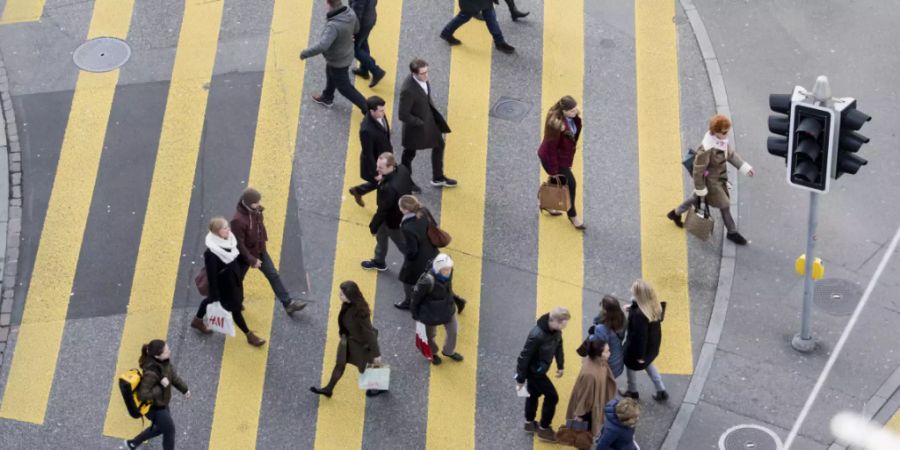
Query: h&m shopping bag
x=377, y=378
x=219, y=319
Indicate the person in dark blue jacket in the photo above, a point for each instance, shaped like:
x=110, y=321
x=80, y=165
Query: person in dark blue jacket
x=609, y=325
x=618, y=429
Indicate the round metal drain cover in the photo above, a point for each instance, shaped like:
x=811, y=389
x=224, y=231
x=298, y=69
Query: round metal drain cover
x=749, y=437
x=511, y=109
x=102, y=54
x=837, y=296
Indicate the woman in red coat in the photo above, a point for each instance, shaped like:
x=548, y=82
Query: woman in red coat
x=561, y=131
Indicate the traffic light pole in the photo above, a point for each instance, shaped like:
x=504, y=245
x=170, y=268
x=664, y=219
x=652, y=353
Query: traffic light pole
x=804, y=342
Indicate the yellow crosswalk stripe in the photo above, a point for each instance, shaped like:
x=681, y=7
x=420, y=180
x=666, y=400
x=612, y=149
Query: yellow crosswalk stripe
x=340, y=420
x=40, y=334
x=894, y=423
x=159, y=253
x=560, y=246
x=17, y=11
x=663, y=246
x=452, y=386
x=243, y=372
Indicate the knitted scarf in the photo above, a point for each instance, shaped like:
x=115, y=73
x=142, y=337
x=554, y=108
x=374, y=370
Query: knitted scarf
x=225, y=249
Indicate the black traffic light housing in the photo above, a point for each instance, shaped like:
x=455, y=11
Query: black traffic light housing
x=810, y=144
x=779, y=124
x=849, y=141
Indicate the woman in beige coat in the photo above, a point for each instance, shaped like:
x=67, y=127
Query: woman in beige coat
x=710, y=173
x=595, y=386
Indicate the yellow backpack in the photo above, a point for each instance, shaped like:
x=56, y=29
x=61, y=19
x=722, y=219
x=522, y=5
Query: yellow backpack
x=128, y=385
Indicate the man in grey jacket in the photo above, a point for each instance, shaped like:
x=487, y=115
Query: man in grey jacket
x=336, y=45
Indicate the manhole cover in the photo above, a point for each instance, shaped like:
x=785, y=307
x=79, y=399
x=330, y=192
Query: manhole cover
x=511, y=109
x=837, y=296
x=101, y=54
x=749, y=437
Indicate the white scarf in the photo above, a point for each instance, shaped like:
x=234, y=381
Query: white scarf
x=225, y=249
x=710, y=142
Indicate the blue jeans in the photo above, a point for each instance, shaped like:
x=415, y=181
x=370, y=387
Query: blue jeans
x=361, y=52
x=655, y=377
x=490, y=19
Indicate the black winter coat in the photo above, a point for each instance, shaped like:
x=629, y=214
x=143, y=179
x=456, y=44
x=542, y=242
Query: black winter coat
x=419, y=249
x=365, y=12
x=541, y=346
x=392, y=186
x=422, y=122
x=374, y=140
x=225, y=281
x=432, y=300
x=474, y=6
x=643, y=338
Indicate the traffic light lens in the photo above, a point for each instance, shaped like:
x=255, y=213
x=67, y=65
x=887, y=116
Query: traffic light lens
x=809, y=149
x=806, y=171
x=811, y=127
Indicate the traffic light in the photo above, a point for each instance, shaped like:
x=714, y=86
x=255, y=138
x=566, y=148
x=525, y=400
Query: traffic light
x=849, y=141
x=810, y=146
x=779, y=124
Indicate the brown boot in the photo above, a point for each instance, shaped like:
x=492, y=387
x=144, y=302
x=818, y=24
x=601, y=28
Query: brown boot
x=255, y=340
x=198, y=325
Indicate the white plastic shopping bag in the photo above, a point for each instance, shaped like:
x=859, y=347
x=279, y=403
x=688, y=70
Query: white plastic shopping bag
x=524, y=391
x=219, y=319
x=378, y=378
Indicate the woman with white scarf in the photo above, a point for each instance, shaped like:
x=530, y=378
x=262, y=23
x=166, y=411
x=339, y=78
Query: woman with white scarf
x=710, y=174
x=224, y=276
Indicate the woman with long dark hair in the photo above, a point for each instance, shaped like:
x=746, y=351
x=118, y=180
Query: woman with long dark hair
x=359, y=339
x=562, y=128
x=157, y=380
x=609, y=325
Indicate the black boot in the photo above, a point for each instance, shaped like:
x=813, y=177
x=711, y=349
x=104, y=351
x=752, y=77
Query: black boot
x=514, y=12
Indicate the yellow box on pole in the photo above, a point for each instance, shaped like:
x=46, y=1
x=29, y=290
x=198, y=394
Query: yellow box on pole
x=818, y=269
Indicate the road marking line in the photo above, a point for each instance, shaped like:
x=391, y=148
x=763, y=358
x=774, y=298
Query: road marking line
x=560, y=246
x=663, y=246
x=452, y=389
x=40, y=334
x=18, y=11
x=242, y=376
x=159, y=254
x=341, y=419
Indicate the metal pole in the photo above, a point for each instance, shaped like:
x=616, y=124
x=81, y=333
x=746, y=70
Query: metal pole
x=804, y=342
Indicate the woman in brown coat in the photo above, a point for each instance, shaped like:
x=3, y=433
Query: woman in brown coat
x=710, y=173
x=359, y=339
x=594, y=388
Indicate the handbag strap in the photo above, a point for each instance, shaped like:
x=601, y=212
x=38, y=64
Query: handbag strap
x=703, y=203
x=559, y=179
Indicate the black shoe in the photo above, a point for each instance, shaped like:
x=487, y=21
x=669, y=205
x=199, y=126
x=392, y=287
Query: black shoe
x=376, y=77
x=530, y=427
x=674, y=217
x=294, y=306
x=516, y=14
x=661, y=396
x=444, y=182
x=323, y=101
x=451, y=40
x=416, y=189
x=630, y=394
x=373, y=265
x=324, y=392
x=360, y=73
x=436, y=360
x=357, y=196
x=404, y=305
x=460, y=304
x=374, y=392
x=505, y=48
x=130, y=445
x=455, y=356
x=737, y=238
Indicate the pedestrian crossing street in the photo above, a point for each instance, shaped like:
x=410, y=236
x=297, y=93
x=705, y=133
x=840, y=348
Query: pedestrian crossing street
x=280, y=145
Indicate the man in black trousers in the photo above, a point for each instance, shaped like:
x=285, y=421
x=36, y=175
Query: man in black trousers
x=469, y=9
x=423, y=124
x=393, y=183
x=365, y=13
x=336, y=45
x=375, y=139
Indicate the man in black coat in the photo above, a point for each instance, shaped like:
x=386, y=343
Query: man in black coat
x=365, y=13
x=423, y=124
x=469, y=9
x=393, y=183
x=544, y=343
x=375, y=139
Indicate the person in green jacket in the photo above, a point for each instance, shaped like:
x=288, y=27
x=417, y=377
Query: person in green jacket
x=156, y=387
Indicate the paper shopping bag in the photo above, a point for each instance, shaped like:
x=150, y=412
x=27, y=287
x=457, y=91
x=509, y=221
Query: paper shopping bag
x=378, y=378
x=219, y=319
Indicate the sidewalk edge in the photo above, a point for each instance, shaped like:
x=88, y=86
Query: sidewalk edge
x=10, y=207
x=726, y=265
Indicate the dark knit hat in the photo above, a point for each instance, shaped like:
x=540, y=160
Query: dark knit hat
x=567, y=103
x=250, y=196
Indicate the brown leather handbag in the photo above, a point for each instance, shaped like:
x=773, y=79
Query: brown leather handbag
x=438, y=237
x=202, y=282
x=698, y=220
x=553, y=194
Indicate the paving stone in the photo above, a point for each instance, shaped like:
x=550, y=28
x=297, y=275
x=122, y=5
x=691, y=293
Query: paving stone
x=15, y=167
x=4, y=334
x=15, y=157
x=4, y=320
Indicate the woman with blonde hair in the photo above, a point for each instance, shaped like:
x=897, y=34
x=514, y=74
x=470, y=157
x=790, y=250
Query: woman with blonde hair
x=562, y=128
x=644, y=336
